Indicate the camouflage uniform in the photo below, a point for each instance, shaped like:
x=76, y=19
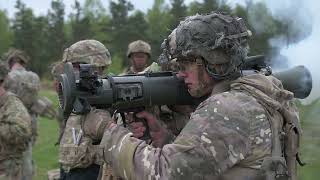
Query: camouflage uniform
x=26, y=85
x=235, y=133
x=77, y=153
x=15, y=134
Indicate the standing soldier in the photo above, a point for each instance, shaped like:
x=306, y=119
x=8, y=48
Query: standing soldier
x=246, y=127
x=77, y=156
x=15, y=131
x=26, y=85
x=139, y=52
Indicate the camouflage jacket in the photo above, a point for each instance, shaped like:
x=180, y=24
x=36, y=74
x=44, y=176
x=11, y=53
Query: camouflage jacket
x=25, y=84
x=129, y=70
x=77, y=150
x=15, y=127
x=229, y=130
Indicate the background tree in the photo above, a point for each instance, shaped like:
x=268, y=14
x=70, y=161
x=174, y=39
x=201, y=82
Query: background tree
x=178, y=11
x=56, y=35
x=5, y=33
x=79, y=24
x=119, y=29
x=158, y=18
x=45, y=37
x=208, y=6
x=24, y=33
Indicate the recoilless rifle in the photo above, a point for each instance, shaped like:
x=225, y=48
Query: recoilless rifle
x=131, y=93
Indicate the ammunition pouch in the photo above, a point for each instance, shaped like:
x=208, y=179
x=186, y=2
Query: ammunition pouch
x=274, y=168
x=77, y=156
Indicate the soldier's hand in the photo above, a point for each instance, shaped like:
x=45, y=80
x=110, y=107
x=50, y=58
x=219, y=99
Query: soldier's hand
x=159, y=134
x=137, y=129
x=95, y=123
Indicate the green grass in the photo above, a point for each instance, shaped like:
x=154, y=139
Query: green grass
x=310, y=145
x=45, y=153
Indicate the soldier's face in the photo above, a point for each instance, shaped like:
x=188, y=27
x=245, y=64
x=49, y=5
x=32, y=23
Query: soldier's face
x=196, y=78
x=139, y=60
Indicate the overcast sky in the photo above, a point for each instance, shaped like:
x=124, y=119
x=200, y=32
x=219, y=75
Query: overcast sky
x=41, y=6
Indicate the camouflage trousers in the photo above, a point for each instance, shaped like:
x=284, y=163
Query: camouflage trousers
x=27, y=164
x=10, y=170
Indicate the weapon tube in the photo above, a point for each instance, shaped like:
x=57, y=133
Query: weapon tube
x=78, y=94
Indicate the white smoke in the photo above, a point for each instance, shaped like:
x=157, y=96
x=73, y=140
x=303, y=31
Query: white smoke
x=303, y=23
x=306, y=52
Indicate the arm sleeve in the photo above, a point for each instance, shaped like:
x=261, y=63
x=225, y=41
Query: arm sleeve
x=209, y=144
x=15, y=128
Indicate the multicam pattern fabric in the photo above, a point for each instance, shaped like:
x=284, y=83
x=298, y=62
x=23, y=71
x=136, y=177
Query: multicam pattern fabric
x=227, y=137
x=15, y=134
x=87, y=51
x=77, y=150
x=73, y=151
x=16, y=53
x=25, y=84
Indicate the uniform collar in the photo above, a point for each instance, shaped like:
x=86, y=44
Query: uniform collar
x=221, y=87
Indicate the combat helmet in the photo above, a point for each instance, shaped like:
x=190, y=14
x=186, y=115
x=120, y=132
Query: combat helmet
x=3, y=71
x=139, y=46
x=216, y=38
x=16, y=54
x=87, y=51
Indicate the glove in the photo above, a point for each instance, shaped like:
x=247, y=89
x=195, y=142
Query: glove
x=95, y=122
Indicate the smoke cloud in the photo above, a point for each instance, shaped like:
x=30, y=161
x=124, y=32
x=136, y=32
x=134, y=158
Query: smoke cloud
x=303, y=23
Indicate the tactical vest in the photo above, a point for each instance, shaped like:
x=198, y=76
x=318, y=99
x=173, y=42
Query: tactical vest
x=77, y=150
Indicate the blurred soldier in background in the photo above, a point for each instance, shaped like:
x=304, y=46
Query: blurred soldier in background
x=26, y=85
x=15, y=132
x=139, y=52
x=78, y=153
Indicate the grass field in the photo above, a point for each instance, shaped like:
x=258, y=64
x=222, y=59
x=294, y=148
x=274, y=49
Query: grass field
x=46, y=153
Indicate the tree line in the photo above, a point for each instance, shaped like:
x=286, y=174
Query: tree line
x=44, y=37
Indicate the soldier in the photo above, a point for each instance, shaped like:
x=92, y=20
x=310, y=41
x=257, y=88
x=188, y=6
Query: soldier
x=138, y=53
x=238, y=131
x=77, y=155
x=26, y=85
x=15, y=131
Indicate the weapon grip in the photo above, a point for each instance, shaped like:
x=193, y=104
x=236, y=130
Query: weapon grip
x=146, y=134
